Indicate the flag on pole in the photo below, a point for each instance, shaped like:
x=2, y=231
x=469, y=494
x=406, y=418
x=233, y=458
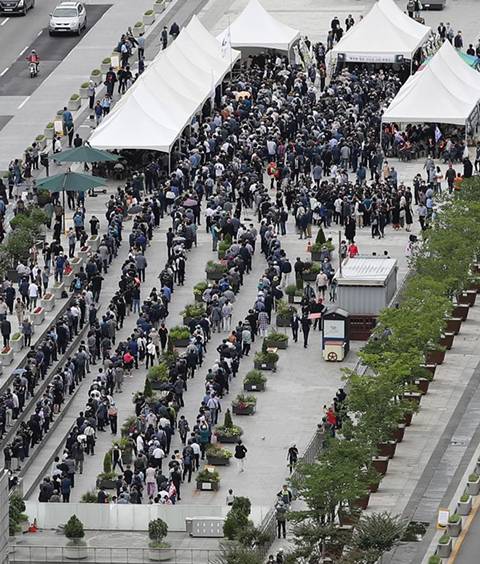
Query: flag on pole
x=438, y=134
x=226, y=43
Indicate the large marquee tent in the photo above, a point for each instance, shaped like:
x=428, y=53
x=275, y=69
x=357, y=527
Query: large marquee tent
x=163, y=100
x=256, y=28
x=447, y=90
x=384, y=35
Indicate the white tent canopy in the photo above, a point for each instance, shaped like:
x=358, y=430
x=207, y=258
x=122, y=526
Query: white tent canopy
x=255, y=27
x=163, y=100
x=382, y=36
x=446, y=90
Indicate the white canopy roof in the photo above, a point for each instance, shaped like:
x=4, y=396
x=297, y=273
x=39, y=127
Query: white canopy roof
x=161, y=103
x=255, y=27
x=446, y=90
x=382, y=35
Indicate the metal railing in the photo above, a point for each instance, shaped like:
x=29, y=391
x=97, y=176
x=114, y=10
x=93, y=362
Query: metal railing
x=110, y=555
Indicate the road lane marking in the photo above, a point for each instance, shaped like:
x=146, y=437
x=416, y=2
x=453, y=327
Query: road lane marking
x=4, y=71
x=40, y=33
x=4, y=21
x=23, y=103
x=22, y=51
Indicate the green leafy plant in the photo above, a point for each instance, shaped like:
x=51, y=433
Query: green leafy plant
x=244, y=401
x=147, y=390
x=228, y=429
x=199, y=288
x=444, y=539
x=217, y=452
x=179, y=333
x=215, y=267
x=464, y=498
x=284, y=309
x=473, y=477
x=106, y=61
x=275, y=337
x=434, y=559
x=157, y=531
x=158, y=373
x=193, y=310
x=75, y=97
x=89, y=497
x=454, y=518
x=266, y=358
x=208, y=476
x=254, y=377
x=74, y=528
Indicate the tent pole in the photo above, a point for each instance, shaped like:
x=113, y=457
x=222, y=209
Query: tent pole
x=411, y=66
x=169, y=163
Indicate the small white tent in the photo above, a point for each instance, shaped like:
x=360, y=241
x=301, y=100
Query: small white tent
x=153, y=113
x=446, y=90
x=384, y=35
x=255, y=27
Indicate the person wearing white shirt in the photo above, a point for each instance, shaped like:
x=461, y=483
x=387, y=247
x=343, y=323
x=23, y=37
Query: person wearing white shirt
x=33, y=295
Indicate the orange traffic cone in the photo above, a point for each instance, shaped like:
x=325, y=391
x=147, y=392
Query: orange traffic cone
x=33, y=527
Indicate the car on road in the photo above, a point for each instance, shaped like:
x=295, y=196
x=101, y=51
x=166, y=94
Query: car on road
x=434, y=4
x=8, y=7
x=68, y=17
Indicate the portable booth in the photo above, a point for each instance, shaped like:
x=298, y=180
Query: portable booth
x=335, y=334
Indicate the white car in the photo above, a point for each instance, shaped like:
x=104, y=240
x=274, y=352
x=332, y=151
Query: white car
x=68, y=17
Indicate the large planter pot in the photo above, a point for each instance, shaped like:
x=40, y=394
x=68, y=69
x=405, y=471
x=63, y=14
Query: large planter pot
x=453, y=325
x=227, y=440
x=248, y=410
x=346, y=518
x=41, y=142
x=159, y=7
x=68, y=279
x=94, y=242
x=283, y=345
x=444, y=550
x=48, y=302
x=467, y=299
x=74, y=105
x=96, y=78
x=148, y=19
x=84, y=253
x=316, y=256
x=264, y=365
x=17, y=344
x=362, y=502
x=422, y=384
x=38, y=315
x=446, y=340
x=435, y=357
x=380, y=463
x=158, y=385
x=464, y=507
x=105, y=67
x=471, y=296
x=472, y=488
x=414, y=397
x=282, y=321
x=160, y=554
x=76, y=264
x=48, y=132
x=83, y=92
x=398, y=433
x=387, y=449
x=254, y=387
x=454, y=529
x=309, y=276
x=207, y=486
x=407, y=418
x=106, y=484
x=6, y=358
x=430, y=367
x=214, y=275
x=373, y=487
x=76, y=549
x=57, y=290
x=217, y=461
x=461, y=310
x=137, y=30
x=180, y=343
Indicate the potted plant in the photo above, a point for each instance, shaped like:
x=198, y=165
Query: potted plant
x=74, y=102
x=322, y=248
x=244, y=405
x=277, y=340
x=126, y=446
x=228, y=433
x=473, y=484
x=68, y=276
x=105, y=65
x=454, y=526
x=138, y=28
x=254, y=381
x=83, y=90
x=18, y=520
x=17, y=342
x=179, y=336
x=436, y=355
x=159, y=6
x=380, y=463
x=107, y=478
x=284, y=314
x=265, y=360
x=89, y=497
x=41, y=141
x=129, y=426
x=464, y=505
x=444, y=547
x=446, y=340
x=434, y=559
x=215, y=270
x=310, y=272
x=76, y=264
x=76, y=548
x=149, y=17
x=387, y=448
x=58, y=289
x=158, y=376
x=193, y=312
x=218, y=456
x=198, y=290
x=84, y=252
x=94, y=242
x=160, y=550
x=224, y=246
x=6, y=356
x=208, y=480
x=399, y=432
x=49, y=130
x=453, y=325
x=292, y=292
x=48, y=301
x=96, y=76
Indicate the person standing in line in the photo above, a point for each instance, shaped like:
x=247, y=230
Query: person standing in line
x=281, y=517
x=306, y=324
x=240, y=454
x=295, y=324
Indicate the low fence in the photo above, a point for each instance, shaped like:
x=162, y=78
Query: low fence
x=111, y=555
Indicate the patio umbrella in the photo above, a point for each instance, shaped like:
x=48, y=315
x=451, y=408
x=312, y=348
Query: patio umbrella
x=70, y=182
x=84, y=154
